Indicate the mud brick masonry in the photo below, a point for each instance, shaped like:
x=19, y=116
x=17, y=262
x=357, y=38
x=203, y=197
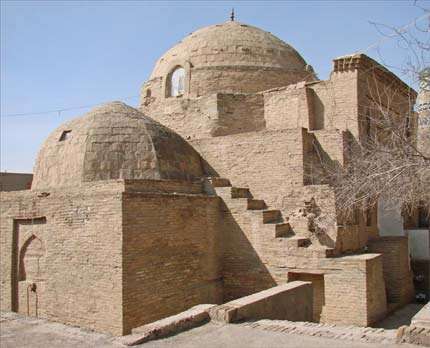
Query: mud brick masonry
x=205, y=194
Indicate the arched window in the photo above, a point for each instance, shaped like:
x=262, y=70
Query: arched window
x=177, y=82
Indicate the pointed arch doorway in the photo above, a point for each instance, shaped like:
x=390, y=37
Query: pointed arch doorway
x=29, y=271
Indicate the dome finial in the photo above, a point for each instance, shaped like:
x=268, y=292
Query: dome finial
x=232, y=15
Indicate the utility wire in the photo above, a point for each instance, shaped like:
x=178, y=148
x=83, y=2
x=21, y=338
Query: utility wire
x=59, y=111
x=395, y=34
x=375, y=44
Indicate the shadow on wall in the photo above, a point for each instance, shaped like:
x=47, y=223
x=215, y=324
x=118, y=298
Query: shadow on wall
x=317, y=281
x=319, y=224
x=321, y=169
x=319, y=112
x=318, y=165
x=244, y=273
x=400, y=317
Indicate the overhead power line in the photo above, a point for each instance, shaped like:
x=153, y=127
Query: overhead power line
x=395, y=34
x=375, y=44
x=60, y=110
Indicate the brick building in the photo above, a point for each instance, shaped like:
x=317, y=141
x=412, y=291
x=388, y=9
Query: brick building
x=205, y=193
x=15, y=181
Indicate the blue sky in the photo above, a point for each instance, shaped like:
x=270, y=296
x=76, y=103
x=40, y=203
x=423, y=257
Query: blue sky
x=63, y=54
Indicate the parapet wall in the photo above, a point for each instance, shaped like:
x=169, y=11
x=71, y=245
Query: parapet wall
x=210, y=116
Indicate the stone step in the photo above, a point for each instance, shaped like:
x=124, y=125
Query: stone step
x=219, y=182
x=330, y=252
x=309, y=251
x=240, y=192
x=283, y=230
x=299, y=242
x=256, y=204
x=237, y=205
x=271, y=216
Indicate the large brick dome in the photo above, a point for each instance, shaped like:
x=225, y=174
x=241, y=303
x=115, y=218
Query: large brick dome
x=234, y=57
x=113, y=141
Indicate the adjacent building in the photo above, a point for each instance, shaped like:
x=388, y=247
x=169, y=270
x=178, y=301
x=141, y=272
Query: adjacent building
x=15, y=181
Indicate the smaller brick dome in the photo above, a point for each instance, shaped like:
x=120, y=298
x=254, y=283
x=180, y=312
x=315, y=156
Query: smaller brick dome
x=113, y=141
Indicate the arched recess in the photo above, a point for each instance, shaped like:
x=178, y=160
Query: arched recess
x=179, y=73
x=32, y=260
x=177, y=82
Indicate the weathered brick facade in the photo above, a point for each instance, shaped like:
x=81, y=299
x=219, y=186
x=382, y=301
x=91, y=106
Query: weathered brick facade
x=206, y=196
x=72, y=252
x=397, y=267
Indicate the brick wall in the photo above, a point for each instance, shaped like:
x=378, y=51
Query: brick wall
x=335, y=102
x=189, y=117
x=355, y=293
x=110, y=260
x=237, y=79
x=317, y=281
x=397, y=268
x=376, y=288
x=239, y=113
x=15, y=181
x=212, y=115
x=269, y=162
x=207, y=81
x=245, y=258
x=287, y=107
x=323, y=153
x=171, y=255
x=332, y=143
x=78, y=248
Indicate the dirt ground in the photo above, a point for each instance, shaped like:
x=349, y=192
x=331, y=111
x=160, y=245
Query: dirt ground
x=20, y=332
x=400, y=317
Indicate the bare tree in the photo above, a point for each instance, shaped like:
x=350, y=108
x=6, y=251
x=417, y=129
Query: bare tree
x=387, y=161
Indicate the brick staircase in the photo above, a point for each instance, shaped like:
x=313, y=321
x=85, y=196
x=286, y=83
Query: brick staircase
x=254, y=214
